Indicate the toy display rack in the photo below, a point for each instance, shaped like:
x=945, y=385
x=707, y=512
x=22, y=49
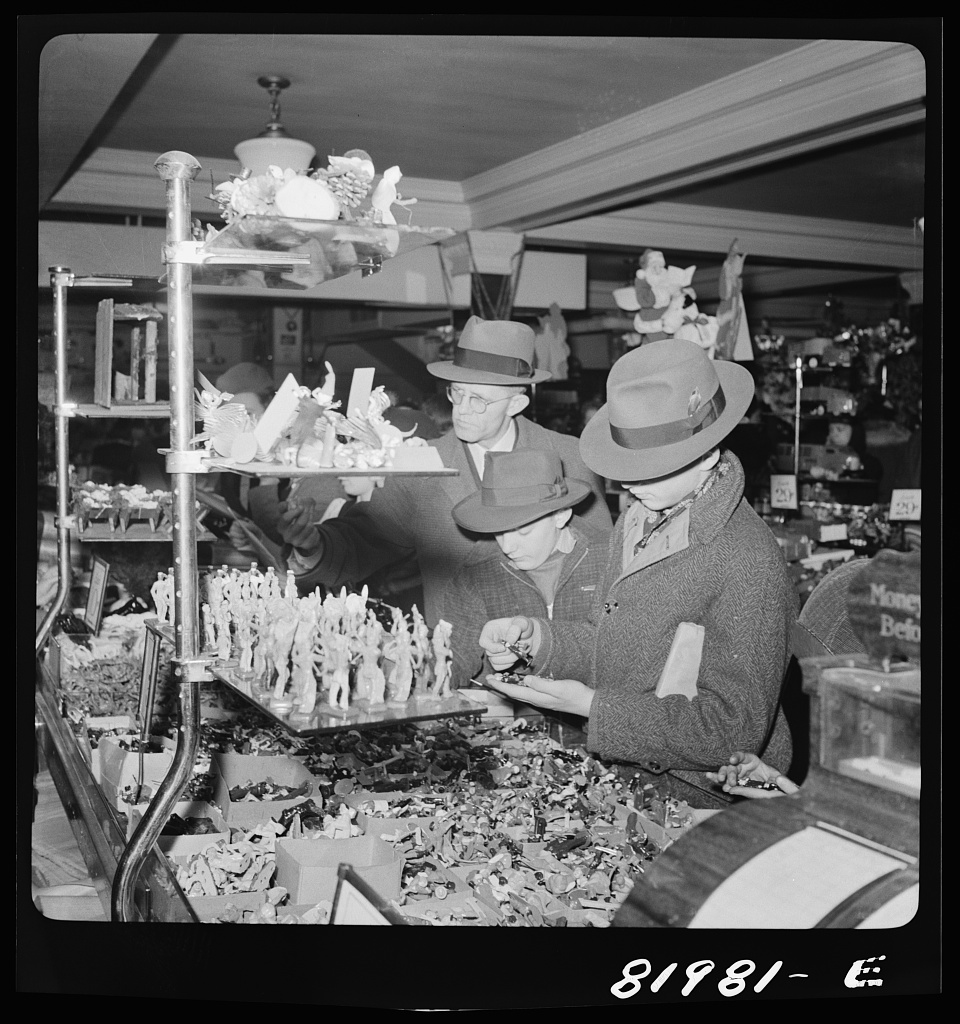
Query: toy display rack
x=326, y=719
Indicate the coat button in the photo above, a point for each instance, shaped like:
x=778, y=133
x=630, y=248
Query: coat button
x=654, y=766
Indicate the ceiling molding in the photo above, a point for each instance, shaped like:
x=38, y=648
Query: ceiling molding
x=816, y=95
x=688, y=227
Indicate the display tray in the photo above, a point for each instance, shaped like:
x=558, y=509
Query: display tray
x=129, y=411
x=324, y=719
x=335, y=248
x=283, y=469
x=94, y=532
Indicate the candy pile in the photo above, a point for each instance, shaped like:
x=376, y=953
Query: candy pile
x=496, y=825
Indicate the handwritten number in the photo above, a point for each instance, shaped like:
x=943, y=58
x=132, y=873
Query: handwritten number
x=695, y=972
x=631, y=979
x=768, y=977
x=733, y=984
x=662, y=977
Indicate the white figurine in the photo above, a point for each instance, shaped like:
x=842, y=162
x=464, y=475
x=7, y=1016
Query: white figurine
x=385, y=195
x=370, y=679
x=158, y=591
x=441, y=658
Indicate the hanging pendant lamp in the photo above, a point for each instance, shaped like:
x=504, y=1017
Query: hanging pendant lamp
x=273, y=146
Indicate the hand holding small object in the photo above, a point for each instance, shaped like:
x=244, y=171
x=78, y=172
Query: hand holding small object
x=746, y=775
x=506, y=640
x=296, y=523
x=566, y=695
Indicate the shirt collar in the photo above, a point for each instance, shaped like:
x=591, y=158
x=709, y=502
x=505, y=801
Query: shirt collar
x=505, y=444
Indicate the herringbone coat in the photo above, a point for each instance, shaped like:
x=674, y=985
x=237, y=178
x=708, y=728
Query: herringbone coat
x=415, y=514
x=732, y=579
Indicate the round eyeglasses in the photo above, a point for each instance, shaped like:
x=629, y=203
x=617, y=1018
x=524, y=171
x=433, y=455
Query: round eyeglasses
x=474, y=402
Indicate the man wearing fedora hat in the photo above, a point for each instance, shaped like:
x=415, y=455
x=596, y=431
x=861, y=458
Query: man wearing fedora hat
x=685, y=653
x=488, y=377
x=547, y=564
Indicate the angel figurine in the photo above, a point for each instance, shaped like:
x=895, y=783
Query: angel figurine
x=441, y=658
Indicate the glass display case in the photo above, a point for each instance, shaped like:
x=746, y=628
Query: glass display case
x=870, y=726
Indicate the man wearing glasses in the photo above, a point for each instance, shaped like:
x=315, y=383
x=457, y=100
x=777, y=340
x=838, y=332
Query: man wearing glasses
x=488, y=380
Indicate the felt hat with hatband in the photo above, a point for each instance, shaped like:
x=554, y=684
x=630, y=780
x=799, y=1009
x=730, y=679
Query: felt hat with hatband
x=668, y=404
x=518, y=488
x=492, y=352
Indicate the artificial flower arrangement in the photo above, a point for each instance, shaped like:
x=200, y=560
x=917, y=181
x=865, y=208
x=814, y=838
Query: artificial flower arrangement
x=317, y=436
x=343, y=190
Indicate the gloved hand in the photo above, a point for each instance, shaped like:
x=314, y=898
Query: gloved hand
x=296, y=524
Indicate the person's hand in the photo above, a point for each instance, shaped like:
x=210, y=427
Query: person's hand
x=743, y=766
x=295, y=524
x=566, y=695
x=498, y=633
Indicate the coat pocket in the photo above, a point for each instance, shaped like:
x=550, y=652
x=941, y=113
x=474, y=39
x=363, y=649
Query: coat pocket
x=679, y=675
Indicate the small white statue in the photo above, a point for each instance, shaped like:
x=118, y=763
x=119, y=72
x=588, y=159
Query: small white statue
x=385, y=195
x=441, y=658
x=158, y=591
x=370, y=679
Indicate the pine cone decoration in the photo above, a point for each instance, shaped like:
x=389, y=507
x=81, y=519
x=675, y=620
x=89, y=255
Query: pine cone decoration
x=349, y=187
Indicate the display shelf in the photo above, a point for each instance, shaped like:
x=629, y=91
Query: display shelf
x=283, y=469
x=335, y=248
x=136, y=532
x=325, y=719
x=134, y=411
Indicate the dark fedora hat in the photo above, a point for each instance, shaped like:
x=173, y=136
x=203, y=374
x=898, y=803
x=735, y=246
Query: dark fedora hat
x=492, y=352
x=668, y=403
x=518, y=487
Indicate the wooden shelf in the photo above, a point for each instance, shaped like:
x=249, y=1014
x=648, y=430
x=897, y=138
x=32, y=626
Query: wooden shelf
x=139, y=411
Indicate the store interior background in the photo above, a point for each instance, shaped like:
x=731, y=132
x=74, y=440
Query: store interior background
x=809, y=152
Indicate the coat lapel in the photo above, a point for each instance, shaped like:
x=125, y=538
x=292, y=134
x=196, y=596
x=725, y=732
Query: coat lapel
x=454, y=456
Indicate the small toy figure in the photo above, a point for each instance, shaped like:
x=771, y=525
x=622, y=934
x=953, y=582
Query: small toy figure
x=441, y=659
x=209, y=634
x=304, y=681
x=282, y=632
x=421, y=649
x=730, y=310
x=370, y=679
x=158, y=591
x=340, y=677
x=401, y=652
x=385, y=195
x=658, y=297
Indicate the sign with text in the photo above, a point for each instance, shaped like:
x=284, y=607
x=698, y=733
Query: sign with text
x=783, y=490
x=96, y=595
x=883, y=604
x=905, y=503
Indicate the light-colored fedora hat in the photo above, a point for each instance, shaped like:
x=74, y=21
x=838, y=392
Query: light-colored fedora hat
x=492, y=352
x=518, y=487
x=668, y=403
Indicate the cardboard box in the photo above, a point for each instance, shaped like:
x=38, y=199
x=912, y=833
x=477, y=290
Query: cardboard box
x=185, y=846
x=120, y=768
x=209, y=908
x=307, y=868
x=118, y=725
x=239, y=769
x=388, y=828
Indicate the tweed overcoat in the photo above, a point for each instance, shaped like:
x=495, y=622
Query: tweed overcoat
x=732, y=579
x=494, y=589
x=415, y=514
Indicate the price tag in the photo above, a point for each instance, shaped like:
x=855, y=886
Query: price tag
x=905, y=504
x=832, y=531
x=93, y=613
x=783, y=490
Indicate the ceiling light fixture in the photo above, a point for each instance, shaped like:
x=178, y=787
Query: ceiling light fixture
x=273, y=146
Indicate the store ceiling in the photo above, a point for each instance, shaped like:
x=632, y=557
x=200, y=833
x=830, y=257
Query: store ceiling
x=460, y=109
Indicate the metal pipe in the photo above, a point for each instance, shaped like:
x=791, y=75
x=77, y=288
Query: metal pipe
x=177, y=170
x=60, y=279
